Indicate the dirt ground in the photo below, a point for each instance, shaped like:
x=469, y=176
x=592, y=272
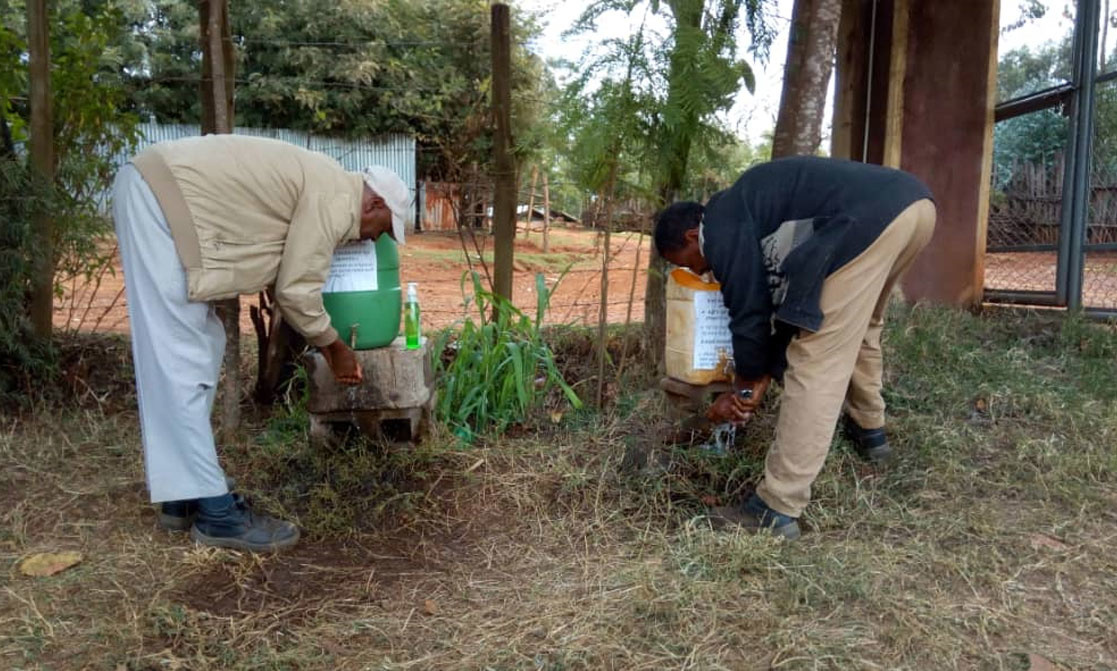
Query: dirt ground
x=1035, y=271
x=437, y=262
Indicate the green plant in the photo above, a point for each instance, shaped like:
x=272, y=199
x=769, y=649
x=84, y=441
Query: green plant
x=23, y=357
x=495, y=370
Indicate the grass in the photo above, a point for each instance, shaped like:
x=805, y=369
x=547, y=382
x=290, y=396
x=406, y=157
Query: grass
x=579, y=545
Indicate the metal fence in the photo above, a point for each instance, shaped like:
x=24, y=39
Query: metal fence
x=1052, y=234
x=1099, y=265
x=1023, y=235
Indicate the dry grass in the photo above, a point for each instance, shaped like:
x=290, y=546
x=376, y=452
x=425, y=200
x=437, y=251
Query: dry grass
x=581, y=545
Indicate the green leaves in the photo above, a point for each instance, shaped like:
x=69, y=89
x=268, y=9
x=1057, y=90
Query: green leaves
x=92, y=128
x=494, y=371
x=747, y=76
x=353, y=68
x=647, y=101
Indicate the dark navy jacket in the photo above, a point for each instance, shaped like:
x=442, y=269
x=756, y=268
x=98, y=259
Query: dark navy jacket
x=773, y=237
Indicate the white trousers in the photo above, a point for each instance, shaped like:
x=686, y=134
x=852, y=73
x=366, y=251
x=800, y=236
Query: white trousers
x=177, y=348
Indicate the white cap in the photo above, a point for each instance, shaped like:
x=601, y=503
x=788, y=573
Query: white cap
x=395, y=193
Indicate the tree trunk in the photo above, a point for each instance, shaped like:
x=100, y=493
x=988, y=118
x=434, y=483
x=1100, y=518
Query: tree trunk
x=810, y=60
x=217, y=67
x=41, y=306
x=217, y=117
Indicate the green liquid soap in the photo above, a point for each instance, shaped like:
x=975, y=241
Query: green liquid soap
x=411, y=317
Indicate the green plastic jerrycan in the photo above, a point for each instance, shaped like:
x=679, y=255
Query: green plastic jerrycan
x=362, y=294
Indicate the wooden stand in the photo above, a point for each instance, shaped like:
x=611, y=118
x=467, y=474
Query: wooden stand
x=686, y=401
x=394, y=401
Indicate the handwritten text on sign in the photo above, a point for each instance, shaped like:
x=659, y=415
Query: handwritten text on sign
x=353, y=268
x=711, y=330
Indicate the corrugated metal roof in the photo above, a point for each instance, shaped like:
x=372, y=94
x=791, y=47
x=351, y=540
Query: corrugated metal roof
x=396, y=151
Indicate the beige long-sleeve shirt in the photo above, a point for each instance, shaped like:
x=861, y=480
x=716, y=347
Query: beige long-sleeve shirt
x=246, y=213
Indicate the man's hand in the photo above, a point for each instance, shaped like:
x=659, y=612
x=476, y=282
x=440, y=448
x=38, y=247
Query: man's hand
x=754, y=391
x=724, y=409
x=343, y=362
x=740, y=404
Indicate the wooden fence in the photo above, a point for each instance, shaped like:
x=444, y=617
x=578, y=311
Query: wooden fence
x=1026, y=206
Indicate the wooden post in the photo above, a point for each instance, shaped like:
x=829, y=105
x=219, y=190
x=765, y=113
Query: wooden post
x=42, y=166
x=946, y=129
x=546, y=215
x=897, y=65
x=850, y=87
x=531, y=201
x=504, y=171
x=217, y=117
x=603, y=318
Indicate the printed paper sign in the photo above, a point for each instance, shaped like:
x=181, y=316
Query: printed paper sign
x=711, y=330
x=353, y=268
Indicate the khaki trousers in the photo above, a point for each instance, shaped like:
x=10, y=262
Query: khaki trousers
x=840, y=363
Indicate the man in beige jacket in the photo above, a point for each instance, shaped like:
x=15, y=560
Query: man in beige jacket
x=207, y=218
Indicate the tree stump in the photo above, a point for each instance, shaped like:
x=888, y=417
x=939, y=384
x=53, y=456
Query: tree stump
x=394, y=401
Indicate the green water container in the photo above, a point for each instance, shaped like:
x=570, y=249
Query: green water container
x=362, y=294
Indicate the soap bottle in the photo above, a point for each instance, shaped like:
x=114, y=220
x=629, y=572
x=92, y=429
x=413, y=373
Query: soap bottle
x=411, y=317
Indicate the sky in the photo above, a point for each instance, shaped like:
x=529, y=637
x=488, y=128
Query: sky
x=754, y=115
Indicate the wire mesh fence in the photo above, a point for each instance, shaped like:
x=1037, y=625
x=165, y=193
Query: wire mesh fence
x=1025, y=203
x=439, y=263
x=573, y=273
x=1099, y=275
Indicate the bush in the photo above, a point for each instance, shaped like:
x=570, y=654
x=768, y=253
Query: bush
x=92, y=129
x=22, y=357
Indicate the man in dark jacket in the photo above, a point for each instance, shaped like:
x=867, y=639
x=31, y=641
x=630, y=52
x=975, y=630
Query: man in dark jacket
x=807, y=251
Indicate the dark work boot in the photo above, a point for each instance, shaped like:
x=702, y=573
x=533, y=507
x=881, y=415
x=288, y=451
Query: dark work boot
x=870, y=444
x=229, y=522
x=179, y=515
x=754, y=516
